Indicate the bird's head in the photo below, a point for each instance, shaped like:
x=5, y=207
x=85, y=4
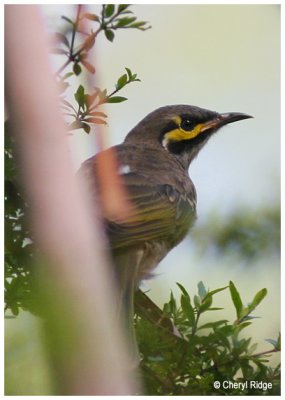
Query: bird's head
x=180, y=129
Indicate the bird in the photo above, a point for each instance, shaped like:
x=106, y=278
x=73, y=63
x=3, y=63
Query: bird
x=153, y=163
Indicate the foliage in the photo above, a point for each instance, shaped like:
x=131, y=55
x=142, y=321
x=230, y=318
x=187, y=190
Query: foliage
x=111, y=19
x=18, y=247
x=182, y=356
x=252, y=234
x=87, y=104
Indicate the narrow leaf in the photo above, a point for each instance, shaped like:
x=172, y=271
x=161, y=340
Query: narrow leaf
x=183, y=290
x=213, y=324
x=86, y=127
x=197, y=301
x=236, y=299
x=67, y=20
x=206, y=303
x=109, y=10
x=129, y=72
x=109, y=35
x=122, y=7
x=139, y=25
x=258, y=298
x=187, y=309
x=125, y=21
x=217, y=290
x=76, y=69
x=80, y=96
x=121, y=82
x=116, y=99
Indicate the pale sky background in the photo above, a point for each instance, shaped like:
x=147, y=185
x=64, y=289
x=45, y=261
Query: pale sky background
x=224, y=58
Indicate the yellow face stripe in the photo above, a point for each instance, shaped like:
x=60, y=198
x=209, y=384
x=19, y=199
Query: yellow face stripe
x=180, y=134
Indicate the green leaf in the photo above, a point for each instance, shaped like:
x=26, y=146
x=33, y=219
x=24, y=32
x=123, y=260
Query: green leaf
x=241, y=326
x=109, y=34
x=188, y=309
x=252, y=348
x=109, y=10
x=172, y=304
x=213, y=324
x=121, y=82
x=80, y=96
x=116, y=99
x=182, y=288
x=217, y=290
x=258, y=298
x=76, y=69
x=14, y=307
x=140, y=25
x=122, y=7
x=197, y=301
x=86, y=127
x=129, y=72
x=202, y=290
x=236, y=299
x=206, y=304
x=278, y=344
x=68, y=20
x=125, y=21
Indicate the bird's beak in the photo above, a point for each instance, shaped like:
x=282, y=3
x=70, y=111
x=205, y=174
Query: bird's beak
x=223, y=119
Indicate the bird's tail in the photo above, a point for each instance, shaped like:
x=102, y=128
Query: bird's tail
x=126, y=271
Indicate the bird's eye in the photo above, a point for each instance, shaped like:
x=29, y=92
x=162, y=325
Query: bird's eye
x=187, y=125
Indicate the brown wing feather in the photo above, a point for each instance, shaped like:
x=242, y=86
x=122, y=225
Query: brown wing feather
x=160, y=213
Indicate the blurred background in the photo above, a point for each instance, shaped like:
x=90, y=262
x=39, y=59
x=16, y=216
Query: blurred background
x=223, y=58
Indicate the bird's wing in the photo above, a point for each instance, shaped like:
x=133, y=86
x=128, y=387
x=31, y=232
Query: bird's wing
x=160, y=213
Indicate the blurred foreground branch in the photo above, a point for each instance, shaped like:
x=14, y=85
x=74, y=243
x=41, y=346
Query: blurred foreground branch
x=87, y=344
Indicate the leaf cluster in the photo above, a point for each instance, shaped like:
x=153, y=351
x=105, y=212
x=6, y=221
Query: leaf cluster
x=18, y=281
x=183, y=356
x=86, y=113
x=249, y=234
x=111, y=18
